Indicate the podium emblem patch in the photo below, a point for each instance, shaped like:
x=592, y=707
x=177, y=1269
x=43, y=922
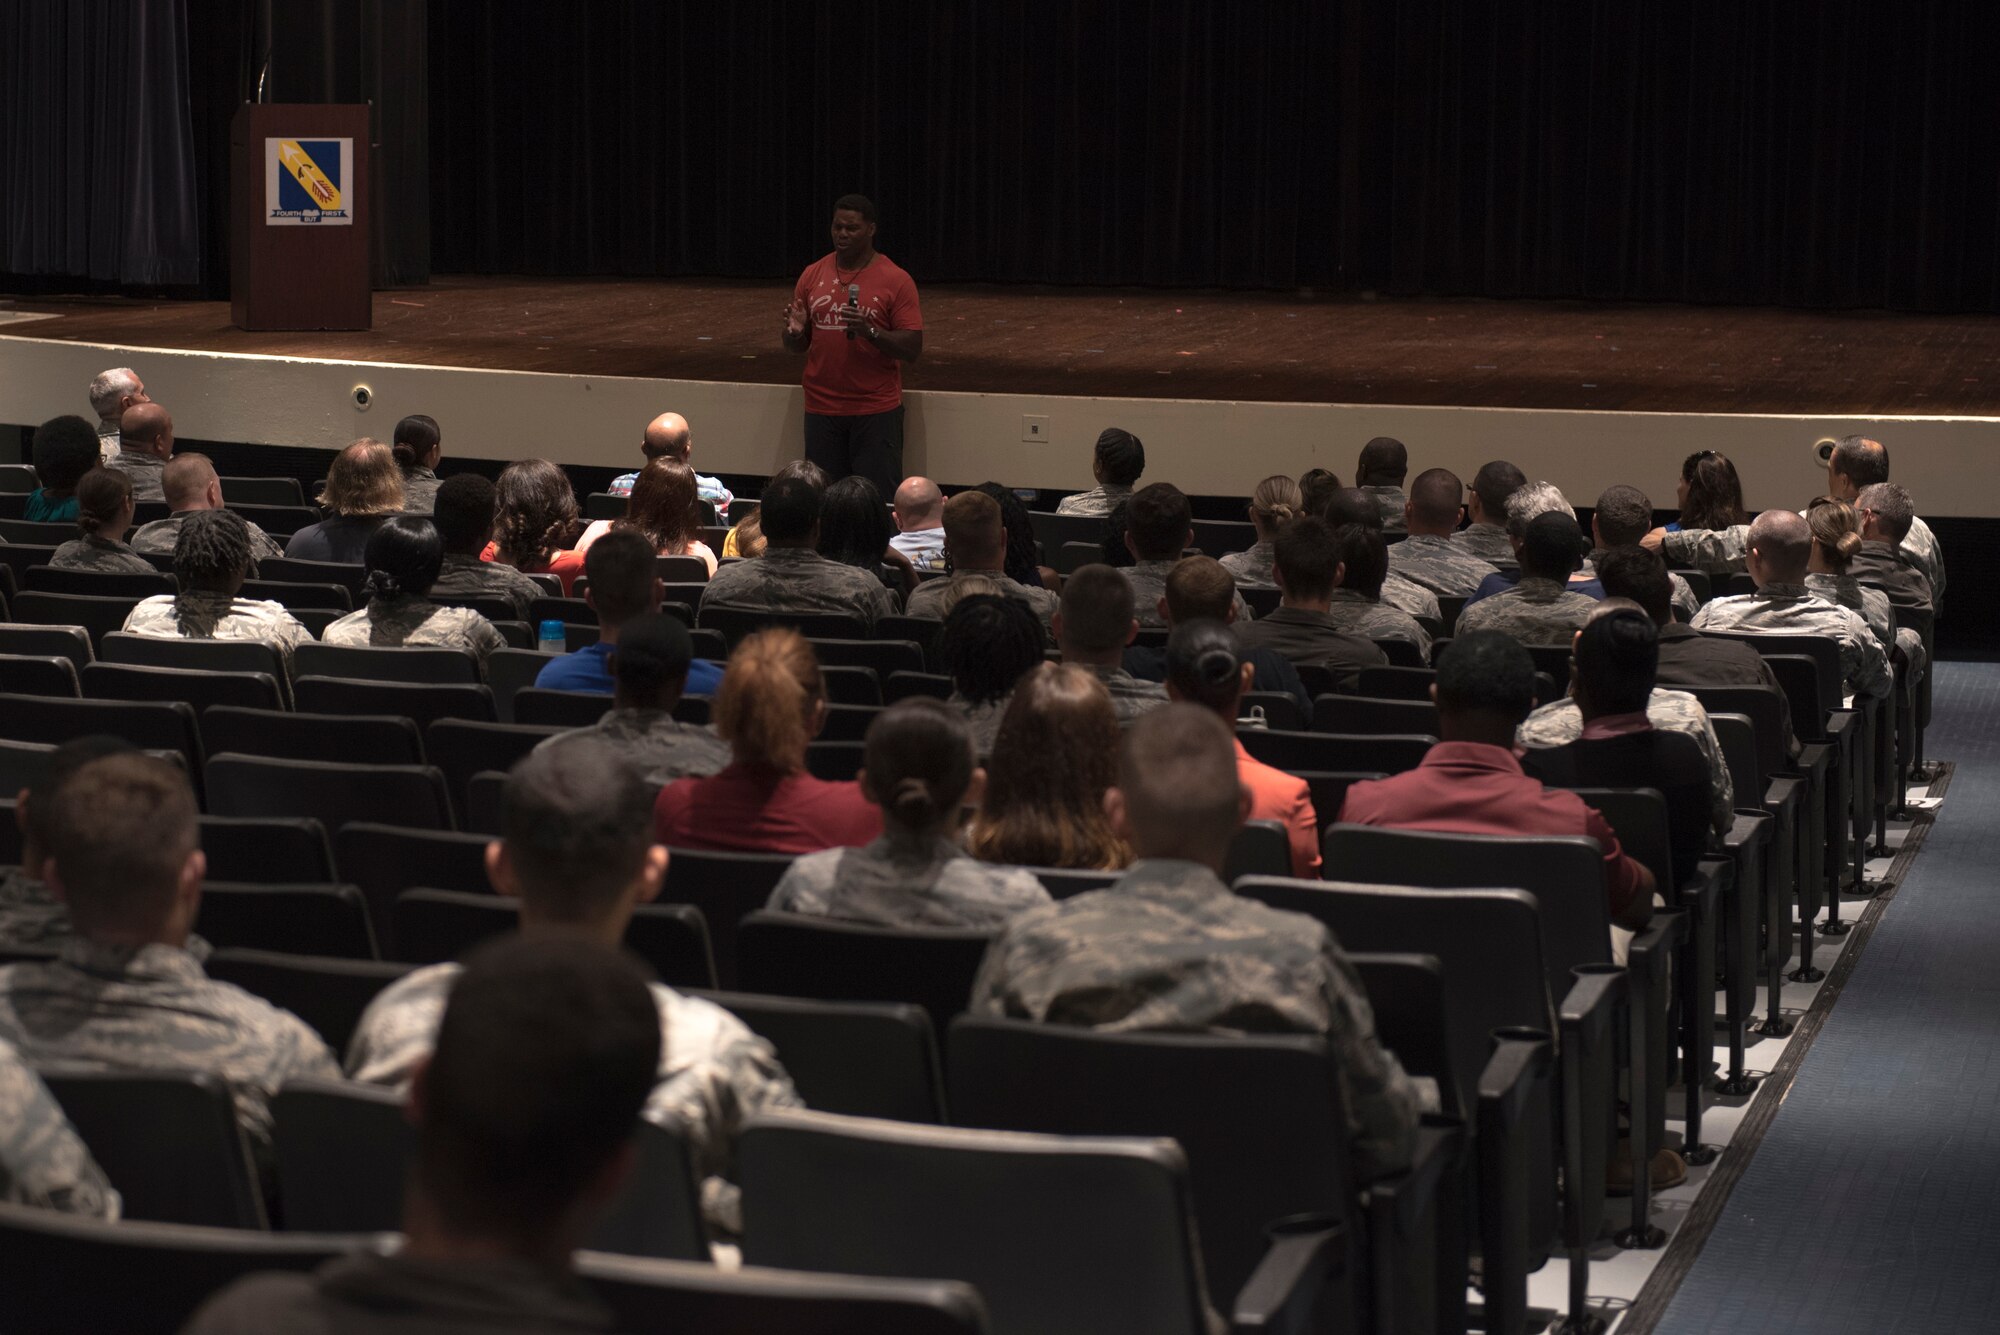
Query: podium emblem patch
x=306, y=182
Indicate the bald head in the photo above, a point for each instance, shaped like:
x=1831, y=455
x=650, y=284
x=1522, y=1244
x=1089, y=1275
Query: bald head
x=1780, y=547
x=919, y=505
x=974, y=534
x=190, y=483
x=668, y=437
x=146, y=428
x=1434, y=503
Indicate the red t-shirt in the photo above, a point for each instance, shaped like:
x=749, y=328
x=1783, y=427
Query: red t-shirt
x=852, y=377
x=755, y=810
x=565, y=566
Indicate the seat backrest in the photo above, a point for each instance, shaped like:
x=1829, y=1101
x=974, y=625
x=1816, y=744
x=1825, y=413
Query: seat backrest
x=1260, y=848
x=385, y=860
x=98, y=583
x=1280, y=709
x=1737, y=737
x=50, y=674
x=464, y=747
x=292, y=570
x=24, y=765
x=1396, y=683
x=1067, y=882
x=536, y=706
x=794, y=955
x=414, y=795
x=737, y=622
x=199, y=688
x=388, y=739
x=435, y=664
x=1259, y=1117
x=71, y=642
x=1297, y=752
x=725, y=887
x=168, y=1140
x=424, y=703
x=883, y=655
x=1406, y=990
x=904, y=685
x=1767, y=709
x=203, y=655
x=154, y=725
x=1824, y=653
x=681, y=569
x=509, y=671
x=98, y=615
x=1404, y=653
x=19, y=479
x=1329, y=790
x=860, y=1058
x=1362, y=714
x=262, y=491
x=835, y=762
x=1640, y=819
x=292, y=849
x=1073, y=556
x=1220, y=537
x=679, y=1295
x=280, y=521
x=431, y=926
x=64, y=1272
x=1800, y=679
x=328, y=994
x=921, y=631
x=848, y=723
x=1059, y=1235
x=293, y=598
x=485, y=796
x=303, y=919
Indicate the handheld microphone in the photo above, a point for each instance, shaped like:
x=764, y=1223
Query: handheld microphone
x=853, y=304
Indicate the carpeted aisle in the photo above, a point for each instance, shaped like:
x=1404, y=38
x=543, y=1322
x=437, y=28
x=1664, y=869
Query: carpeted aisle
x=1873, y=1203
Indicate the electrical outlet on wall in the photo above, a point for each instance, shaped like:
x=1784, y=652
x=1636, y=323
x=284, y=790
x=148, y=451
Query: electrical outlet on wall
x=1034, y=429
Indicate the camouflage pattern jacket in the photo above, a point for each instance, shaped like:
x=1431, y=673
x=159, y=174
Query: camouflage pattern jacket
x=1439, y=564
x=659, y=746
x=1535, y=611
x=1560, y=722
x=905, y=880
x=1792, y=609
x=792, y=579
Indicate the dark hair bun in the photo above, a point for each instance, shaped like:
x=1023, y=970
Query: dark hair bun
x=382, y=584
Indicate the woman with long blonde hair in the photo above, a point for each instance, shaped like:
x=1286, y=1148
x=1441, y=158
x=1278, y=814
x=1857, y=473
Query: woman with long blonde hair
x=1055, y=754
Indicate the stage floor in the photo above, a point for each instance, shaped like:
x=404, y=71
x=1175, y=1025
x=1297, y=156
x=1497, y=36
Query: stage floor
x=1153, y=344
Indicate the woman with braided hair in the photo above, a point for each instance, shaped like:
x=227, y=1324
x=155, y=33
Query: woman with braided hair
x=211, y=557
x=403, y=558
x=103, y=518
x=536, y=526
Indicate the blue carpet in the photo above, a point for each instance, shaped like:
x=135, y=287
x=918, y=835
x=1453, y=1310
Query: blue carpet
x=1874, y=1202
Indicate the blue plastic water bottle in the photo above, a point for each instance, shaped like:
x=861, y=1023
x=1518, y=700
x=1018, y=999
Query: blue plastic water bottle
x=551, y=638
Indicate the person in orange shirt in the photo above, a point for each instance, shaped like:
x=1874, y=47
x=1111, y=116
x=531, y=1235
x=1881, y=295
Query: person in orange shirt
x=1206, y=666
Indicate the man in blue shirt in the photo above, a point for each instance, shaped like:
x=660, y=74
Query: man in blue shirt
x=623, y=584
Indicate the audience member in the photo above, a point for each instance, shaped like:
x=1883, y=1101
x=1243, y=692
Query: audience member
x=1884, y=560
x=124, y=993
x=418, y=445
x=624, y=584
x=1686, y=656
x=1301, y=629
x=1836, y=541
x=1379, y=474
x=43, y=1162
x=1780, y=545
x=1858, y=462
x=790, y=576
x=463, y=509
x=747, y=538
x=988, y=643
x=1316, y=489
x=855, y=528
x=29, y=914
x=103, y=516
x=1023, y=565
x=1621, y=705
x=919, y=510
x=1541, y=609
x=668, y=436
x=536, y=524
x=1530, y=502
x=576, y=850
x=1274, y=504
x=524, y=1116
x=1118, y=461
x=1093, y=627
x=975, y=541
x=1199, y=589
x=771, y=704
x=1171, y=947
x=649, y=671
x=1428, y=556
x=1355, y=605
x=211, y=560
x=191, y=485
x=661, y=510
x=1159, y=526
x=1485, y=536
x=1471, y=782
x=1052, y=760
x=64, y=450
x=363, y=489
x=1713, y=530
x=1623, y=518
x=145, y=443
x=1351, y=505
x=403, y=558
x=920, y=769
x=1206, y=667
x=111, y=393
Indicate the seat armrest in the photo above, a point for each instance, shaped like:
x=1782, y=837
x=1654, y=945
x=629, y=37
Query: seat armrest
x=1412, y=1192
x=1705, y=888
x=1283, y=1293
x=1591, y=1001
x=1751, y=830
x=1520, y=1058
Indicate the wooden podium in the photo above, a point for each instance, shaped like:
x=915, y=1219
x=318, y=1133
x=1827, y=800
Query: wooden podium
x=298, y=212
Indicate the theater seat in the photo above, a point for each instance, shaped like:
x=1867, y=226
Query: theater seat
x=413, y=795
x=169, y=1141
x=861, y=1058
x=328, y=994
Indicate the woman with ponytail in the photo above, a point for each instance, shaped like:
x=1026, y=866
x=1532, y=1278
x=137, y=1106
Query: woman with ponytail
x=770, y=706
x=920, y=770
x=1206, y=667
x=1836, y=538
x=103, y=517
x=403, y=558
x=418, y=446
x=1276, y=503
x=211, y=558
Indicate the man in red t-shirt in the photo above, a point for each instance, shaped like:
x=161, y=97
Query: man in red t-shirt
x=855, y=315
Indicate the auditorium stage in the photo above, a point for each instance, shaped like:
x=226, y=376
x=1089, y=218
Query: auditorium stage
x=1150, y=344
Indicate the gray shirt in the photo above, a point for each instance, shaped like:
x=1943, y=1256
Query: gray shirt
x=420, y=489
x=1793, y=609
x=1439, y=564
x=934, y=595
x=415, y=622
x=1130, y=697
x=924, y=547
x=145, y=470
x=792, y=579
x=1358, y=614
x=903, y=880
x=1488, y=542
x=29, y=914
x=1389, y=503
x=1149, y=586
x=1535, y=611
x=1253, y=566
x=1097, y=503
x=470, y=577
x=158, y=539
x=91, y=552
x=214, y=616
x=659, y=747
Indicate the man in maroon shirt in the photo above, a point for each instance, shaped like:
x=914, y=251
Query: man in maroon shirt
x=854, y=313
x=1471, y=782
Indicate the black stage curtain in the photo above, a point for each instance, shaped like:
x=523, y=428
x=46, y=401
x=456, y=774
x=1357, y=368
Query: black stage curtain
x=97, y=157
x=1840, y=153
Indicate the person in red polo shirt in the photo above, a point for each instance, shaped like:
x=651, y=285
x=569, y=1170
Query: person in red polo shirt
x=854, y=313
x=1472, y=782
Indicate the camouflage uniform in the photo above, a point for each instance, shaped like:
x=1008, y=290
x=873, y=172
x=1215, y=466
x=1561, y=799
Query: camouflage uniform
x=158, y=539
x=470, y=577
x=1437, y=565
x=42, y=1161
x=934, y=595
x=1681, y=597
x=1719, y=551
x=1488, y=542
x=233, y=619
x=1923, y=550
x=146, y=472
x=1097, y=503
x=906, y=880
x=1561, y=722
x=29, y=914
x=119, y=1008
x=1871, y=605
x=984, y=720
x=1358, y=614
x=792, y=579
x=659, y=746
x=1792, y=609
x=1410, y=598
x=1253, y=567
x=1389, y=503
x=1170, y=947
x=714, y=1072
x=420, y=489
x=414, y=622
x=101, y=554
x=1535, y=611
x=1149, y=585
x=1883, y=566
x=1130, y=697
